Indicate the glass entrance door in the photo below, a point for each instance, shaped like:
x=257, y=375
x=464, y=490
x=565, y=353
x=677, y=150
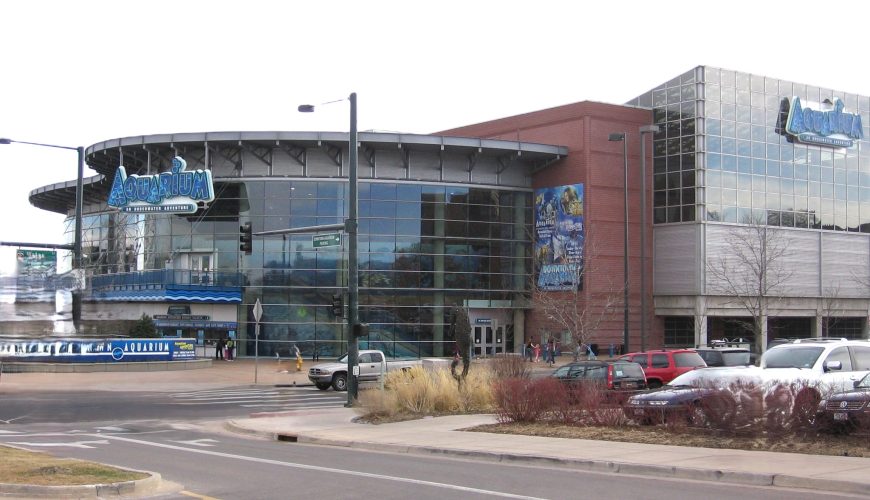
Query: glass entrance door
x=489, y=339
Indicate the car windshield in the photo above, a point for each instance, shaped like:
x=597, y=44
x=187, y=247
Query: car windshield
x=864, y=383
x=792, y=357
x=735, y=358
x=627, y=370
x=688, y=359
x=342, y=359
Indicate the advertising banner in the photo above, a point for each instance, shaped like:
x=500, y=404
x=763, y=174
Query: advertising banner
x=559, y=235
x=35, y=270
x=98, y=350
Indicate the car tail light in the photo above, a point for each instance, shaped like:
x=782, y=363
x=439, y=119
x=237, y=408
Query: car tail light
x=610, y=376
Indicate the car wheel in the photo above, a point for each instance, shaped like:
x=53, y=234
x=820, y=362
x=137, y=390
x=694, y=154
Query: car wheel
x=654, y=384
x=339, y=382
x=322, y=385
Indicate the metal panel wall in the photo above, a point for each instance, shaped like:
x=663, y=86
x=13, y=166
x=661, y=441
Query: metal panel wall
x=675, y=268
x=845, y=264
x=801, y=262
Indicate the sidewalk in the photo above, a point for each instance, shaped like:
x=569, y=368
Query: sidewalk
x=442, y=435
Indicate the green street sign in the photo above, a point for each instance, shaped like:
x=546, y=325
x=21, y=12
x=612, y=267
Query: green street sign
x=326, y=240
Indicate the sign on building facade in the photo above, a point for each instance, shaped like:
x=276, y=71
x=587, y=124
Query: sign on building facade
x=559, y=236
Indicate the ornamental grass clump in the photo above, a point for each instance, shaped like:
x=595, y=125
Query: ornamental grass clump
x=419, y=391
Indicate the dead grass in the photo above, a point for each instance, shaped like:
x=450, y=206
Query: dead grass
x=420, y=392
x=27, y=467
x=855, y=445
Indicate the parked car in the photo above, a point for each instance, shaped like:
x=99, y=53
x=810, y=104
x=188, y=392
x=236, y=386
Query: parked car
x=613, y=375
x=821, y=366
x=848, y=410
x=689, y=395
x=725, y=356
x=660, y=367
x=372, y=365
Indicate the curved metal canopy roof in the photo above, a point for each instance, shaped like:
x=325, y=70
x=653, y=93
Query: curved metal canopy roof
x=132, y=152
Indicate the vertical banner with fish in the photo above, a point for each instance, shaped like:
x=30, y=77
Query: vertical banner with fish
x=559, y=235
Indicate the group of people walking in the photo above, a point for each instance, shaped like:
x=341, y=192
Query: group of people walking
x=225, y=349
x=533, y=351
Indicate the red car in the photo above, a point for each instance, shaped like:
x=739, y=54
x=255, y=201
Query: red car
x=663, y=366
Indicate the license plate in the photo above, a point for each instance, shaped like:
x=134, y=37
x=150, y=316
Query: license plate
x=629, y=385
x=638, y=412
x=841, y=416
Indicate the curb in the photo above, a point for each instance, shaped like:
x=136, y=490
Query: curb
x=140, y=487
x=666, y=471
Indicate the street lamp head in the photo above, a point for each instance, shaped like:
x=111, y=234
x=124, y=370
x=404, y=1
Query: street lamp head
x=306, y=108
x=616, y=137
x=4, y=140
x=646, y=129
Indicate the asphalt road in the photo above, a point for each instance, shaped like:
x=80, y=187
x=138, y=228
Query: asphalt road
x=187, y=445
x=87, y=406
x=219, y=465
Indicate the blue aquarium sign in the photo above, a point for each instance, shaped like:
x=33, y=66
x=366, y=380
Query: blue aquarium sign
x=177, y=191
x=831, y=127
x=97, y=350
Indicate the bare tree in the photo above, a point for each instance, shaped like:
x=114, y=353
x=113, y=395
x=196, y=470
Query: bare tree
x=830, y=306
x=575, y=311
x=750, y=270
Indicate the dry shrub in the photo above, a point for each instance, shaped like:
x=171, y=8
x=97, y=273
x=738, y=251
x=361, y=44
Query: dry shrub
x=418, y=391
x=377, y=404
x=609, y=416
x=476, y=392
x=523, y=400
x=413, y=390
x=505, y=366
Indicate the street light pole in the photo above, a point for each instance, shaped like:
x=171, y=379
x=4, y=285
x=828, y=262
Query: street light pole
x=77, y=238
x=616, y=137
x=646, y=129
x=351, y=226
x=352, y=260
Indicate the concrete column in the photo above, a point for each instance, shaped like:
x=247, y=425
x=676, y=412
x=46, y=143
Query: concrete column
x=519, y=330
x=817, y=326
x=701, y=330
x=701, y=321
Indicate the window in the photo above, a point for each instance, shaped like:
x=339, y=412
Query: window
x=660, y=361
x=680, y=331
x=640, y=359
x=840, y=354
x=862, y=357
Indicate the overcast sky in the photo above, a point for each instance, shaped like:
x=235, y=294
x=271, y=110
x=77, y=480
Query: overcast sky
x=80, y=72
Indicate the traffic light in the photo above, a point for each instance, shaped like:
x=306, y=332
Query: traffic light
x=245, y=239
x=360, y=329
x=337, y=306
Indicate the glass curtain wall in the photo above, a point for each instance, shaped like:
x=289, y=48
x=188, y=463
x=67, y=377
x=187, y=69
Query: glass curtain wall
x=722, y=155
x=422, y=249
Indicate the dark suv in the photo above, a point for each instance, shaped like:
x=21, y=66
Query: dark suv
x=663, y=366
x=725, y=356
x=613, y=375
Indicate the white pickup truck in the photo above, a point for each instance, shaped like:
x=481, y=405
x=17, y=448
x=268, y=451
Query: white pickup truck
x=372, y=364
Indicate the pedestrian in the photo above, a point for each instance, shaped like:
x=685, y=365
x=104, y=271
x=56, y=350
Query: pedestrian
x=219, y=349
x=530, y=350
x=551, y=351
x=231, y=346
x=590, y=354
x=537, y=349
